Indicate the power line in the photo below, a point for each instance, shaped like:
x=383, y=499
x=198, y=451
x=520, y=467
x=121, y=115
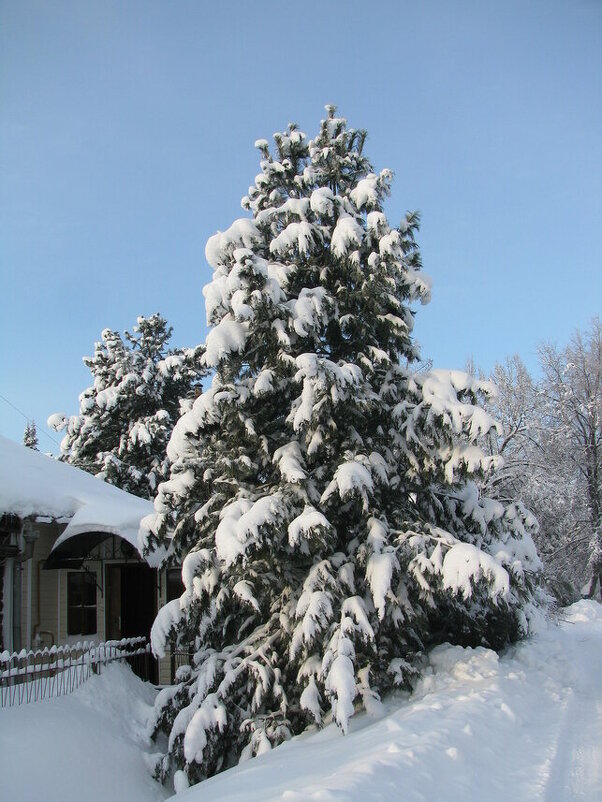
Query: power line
x=28, y=419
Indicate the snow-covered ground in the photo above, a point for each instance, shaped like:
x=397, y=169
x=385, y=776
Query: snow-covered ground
x=526, y=726
x=86, y=747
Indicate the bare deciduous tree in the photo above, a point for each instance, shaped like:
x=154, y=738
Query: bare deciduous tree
x=551, y=445
x=572, y=392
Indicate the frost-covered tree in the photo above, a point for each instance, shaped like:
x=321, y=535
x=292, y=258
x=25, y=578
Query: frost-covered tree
x=321, y=492
x=127, y=415
x=537, y=472
x=572, y=390
x=30, y=435
x=551, y=445
x=517, y=408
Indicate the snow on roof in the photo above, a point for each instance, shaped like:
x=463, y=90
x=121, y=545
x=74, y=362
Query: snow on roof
x=32, y=484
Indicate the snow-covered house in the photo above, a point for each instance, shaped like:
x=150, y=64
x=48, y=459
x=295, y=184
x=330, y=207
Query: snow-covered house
x=71, y=566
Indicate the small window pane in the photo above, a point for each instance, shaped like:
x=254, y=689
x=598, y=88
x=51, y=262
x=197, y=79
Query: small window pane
x=89, y=621
x=74, y=620
x=81, y=603
x=89, y=590
x=74, y=589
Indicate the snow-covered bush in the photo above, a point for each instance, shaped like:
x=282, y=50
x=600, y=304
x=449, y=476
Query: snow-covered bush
x=321, y=491
x=127, y=415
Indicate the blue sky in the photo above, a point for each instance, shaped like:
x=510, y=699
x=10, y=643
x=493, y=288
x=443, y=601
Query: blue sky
x=126, y=140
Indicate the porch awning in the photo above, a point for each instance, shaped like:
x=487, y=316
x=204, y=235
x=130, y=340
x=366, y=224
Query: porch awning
x=72, y=552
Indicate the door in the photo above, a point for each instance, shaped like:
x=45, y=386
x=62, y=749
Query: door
x=131, y=607
x=113, y=602
x=138, y=596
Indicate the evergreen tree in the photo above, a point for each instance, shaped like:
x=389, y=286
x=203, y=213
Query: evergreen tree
x=321, y=491
x=127, y=415
x=30, y=435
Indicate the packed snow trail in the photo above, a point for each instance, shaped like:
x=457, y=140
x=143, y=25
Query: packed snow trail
x=575, y=770
x=526, y=726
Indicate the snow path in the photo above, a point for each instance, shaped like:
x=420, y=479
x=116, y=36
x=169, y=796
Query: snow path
x=85, y=747
x=575, y=770
x=526, y=726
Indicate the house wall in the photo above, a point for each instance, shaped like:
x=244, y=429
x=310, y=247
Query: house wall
x=6, y=602
x=44, y=597
x=40, y=593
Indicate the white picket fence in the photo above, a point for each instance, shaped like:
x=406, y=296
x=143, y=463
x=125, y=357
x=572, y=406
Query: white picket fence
x=29, y=676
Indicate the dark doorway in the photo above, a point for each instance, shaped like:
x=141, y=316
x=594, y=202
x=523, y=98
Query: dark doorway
x=138, y=600
x=131, y=604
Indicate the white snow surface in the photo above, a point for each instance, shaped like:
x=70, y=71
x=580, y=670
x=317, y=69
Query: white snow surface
x=242, y=233
x=347, y=234
x=464, y=564
x=526, y=726
x=32, y=484
x=88, y=746
x=227, y=336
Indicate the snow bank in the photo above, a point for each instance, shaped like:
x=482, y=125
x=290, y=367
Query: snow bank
x=525, y=726
x=86, y=746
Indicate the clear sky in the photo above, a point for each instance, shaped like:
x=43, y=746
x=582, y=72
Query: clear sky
x=126, y=140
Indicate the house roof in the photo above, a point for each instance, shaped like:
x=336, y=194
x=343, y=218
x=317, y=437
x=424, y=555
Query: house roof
x=34, y=485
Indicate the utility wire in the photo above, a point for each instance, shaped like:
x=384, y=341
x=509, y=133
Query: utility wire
x=28, y=419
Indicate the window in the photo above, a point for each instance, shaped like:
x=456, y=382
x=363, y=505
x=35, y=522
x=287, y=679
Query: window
x=81, y=603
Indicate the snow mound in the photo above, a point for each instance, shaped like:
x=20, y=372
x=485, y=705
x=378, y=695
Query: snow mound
x=89, y=745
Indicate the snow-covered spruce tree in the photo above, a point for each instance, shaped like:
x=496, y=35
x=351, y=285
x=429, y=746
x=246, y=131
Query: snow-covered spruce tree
x=320, y=491
x=126, y=417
